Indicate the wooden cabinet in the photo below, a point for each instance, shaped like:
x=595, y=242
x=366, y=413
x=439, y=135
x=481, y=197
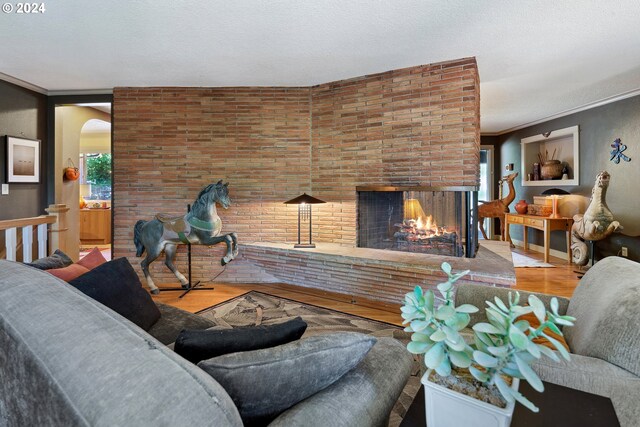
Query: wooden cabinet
x=95, y=226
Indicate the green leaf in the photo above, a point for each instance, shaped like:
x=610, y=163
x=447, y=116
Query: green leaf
x=446, y=267
x=416, y=347
x=533, y=350
x=419, y=325
x=444, y=287
x=460, y=359
x=445, y=312
x=518, y=338
x=455, y=277
x=478, y=374
x=554, y=306
x=538, y=308
x=417, y=291
x=445, y=368
x=553, y=328
x=548, y=352
x=459, y=321
x=500, y=304
x=457, y=345
x=487, y=328
x=495, y=317
x=484, y=359
x=523, y=325
x=419, y=337
x=560, y=321
x=519, y=310
x=433, y=358
x=467, y=308
x=504, y=389
x=563, y=351
x=408, y=309
x=438, y=336
x=528, y=374
x=501, y=351
x=428, y=300
x=497, y=309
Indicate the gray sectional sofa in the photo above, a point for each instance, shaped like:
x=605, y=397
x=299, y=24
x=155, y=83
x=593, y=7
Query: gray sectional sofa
x=67, y=360
x=605, y=340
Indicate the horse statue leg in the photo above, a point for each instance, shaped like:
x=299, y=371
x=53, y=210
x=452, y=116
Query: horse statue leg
x=481, y=225
x=234, y=237
x=170, y=250
x=152, y=254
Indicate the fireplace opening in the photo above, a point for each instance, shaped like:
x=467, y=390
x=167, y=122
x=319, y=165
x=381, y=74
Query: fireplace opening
x=425, y=220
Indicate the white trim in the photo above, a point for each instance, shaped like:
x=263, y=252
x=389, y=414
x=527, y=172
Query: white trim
x=537, y=248
x=490, y=166
x=80, y=92
x=22, y=83
x=525, y=163
x=568, y=112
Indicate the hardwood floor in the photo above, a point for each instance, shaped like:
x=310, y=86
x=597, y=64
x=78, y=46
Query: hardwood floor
x=560, y=280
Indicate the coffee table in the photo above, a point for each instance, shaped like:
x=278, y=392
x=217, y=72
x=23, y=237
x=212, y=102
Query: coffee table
x=559, y=406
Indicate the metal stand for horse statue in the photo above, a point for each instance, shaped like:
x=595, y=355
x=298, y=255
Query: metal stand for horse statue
x=200, y=226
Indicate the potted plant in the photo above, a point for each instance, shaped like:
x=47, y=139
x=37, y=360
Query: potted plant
x=475, y=381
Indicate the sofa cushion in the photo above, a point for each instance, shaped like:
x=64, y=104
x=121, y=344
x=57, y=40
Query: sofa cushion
x=57, y=260
x=68, y=273
x=606, y=305
x=263, y=383
x=173, y=320
x=93, y=259
x=116, y=285
x=197, y=345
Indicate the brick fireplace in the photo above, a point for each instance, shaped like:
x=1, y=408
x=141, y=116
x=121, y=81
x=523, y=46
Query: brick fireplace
x=416, y=126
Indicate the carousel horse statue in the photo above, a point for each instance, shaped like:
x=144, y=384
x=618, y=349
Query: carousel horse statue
x=200, y=226
x=597, y=222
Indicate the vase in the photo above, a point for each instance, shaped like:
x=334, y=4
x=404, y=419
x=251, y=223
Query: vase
x=551, y=169
x=521, y=207
x=448, y=408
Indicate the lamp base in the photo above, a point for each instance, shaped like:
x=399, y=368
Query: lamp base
x=304, y=245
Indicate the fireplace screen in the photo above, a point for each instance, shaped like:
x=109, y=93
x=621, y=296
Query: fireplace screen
x=424, y=221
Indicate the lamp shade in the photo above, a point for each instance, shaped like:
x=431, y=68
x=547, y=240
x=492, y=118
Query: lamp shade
x=304, y=199
x=555, y=192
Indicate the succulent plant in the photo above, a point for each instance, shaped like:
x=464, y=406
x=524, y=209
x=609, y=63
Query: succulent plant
x=500, y=347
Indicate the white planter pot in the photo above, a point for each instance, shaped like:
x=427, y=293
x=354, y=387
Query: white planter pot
x=448, y=408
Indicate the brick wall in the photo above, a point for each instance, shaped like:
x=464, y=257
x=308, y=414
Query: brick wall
x=418, y=125
x=414, y=126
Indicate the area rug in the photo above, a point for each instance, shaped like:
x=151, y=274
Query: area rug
x=520, y=260
x=257, y=308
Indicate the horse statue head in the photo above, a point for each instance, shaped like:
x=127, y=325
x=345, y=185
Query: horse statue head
x=217, y=192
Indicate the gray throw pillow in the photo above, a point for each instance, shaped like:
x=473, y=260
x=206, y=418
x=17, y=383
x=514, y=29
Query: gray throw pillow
x=264, y=383
x=57, y=260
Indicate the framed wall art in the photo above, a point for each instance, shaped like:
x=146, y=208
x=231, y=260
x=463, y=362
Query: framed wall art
x=23, y=159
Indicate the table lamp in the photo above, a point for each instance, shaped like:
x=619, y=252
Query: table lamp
x=304, y=203
x=555, y=194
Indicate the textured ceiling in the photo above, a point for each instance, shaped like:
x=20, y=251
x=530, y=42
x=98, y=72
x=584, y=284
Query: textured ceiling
x=536, y=59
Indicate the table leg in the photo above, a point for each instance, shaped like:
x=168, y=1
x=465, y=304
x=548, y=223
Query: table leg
x=569, y=246
x=546, y=241
x=526, y=237
x=507, y=238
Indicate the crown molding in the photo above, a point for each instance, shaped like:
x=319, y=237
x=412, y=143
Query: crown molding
x=22, y=83
x=80, y=92
x=568, y=112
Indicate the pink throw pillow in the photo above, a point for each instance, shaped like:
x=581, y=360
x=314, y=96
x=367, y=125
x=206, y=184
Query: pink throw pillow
x=68, y=273
x=92, y=259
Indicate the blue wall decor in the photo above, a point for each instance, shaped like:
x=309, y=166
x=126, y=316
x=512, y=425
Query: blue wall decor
x=616, y=153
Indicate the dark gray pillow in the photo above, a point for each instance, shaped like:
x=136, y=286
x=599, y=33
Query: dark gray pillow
x=197, y=345
x=58, y=260
x=116, y=285
x=264, y=383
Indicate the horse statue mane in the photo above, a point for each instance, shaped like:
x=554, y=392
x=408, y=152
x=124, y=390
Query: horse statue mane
x=596, y=223
x=200, y=226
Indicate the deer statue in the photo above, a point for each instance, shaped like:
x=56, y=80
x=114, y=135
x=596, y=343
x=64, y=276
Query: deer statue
x=497, y=208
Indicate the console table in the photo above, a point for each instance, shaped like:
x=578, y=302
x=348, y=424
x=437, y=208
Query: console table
x=559, y=406
x=545, y=224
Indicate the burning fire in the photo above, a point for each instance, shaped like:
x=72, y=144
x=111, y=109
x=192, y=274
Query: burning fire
x=428, y=226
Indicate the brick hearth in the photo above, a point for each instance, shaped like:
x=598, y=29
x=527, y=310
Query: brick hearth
x=414, y=126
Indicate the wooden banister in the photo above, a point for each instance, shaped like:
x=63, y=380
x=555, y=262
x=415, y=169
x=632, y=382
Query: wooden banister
x=24, y=222
x=10, y=228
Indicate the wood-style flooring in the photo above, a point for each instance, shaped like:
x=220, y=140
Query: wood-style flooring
x=560, y=281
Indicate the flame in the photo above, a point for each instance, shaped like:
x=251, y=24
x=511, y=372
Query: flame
x=429, y=224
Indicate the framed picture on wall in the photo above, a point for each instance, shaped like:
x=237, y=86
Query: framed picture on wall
x=23, y=159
